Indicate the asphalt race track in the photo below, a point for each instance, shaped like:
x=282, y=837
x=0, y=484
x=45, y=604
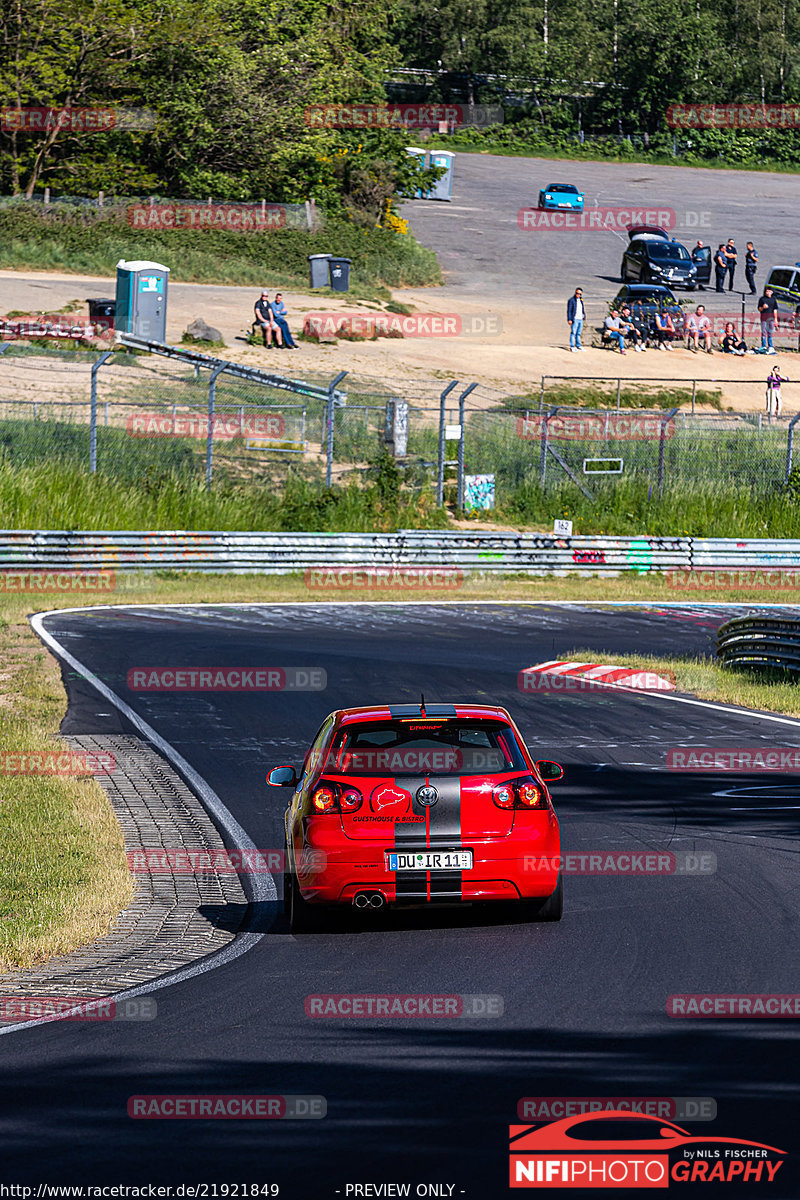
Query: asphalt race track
x=584, y=1000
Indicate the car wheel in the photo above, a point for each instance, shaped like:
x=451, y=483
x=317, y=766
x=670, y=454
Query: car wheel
x=303, y=917
x=551, y=908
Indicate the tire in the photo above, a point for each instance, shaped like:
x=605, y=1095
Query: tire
x=551, y=908
x=303, y=918
x=623, y=277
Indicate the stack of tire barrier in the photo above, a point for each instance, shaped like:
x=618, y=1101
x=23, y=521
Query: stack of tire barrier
x=760, y=640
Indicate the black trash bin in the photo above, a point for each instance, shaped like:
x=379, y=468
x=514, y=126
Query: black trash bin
x=340, y=274
x=102, y=312
x=318, y=264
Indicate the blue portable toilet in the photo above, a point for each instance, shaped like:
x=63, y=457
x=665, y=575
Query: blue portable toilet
x=141, y=307
x=422, y=162
x=443, y=188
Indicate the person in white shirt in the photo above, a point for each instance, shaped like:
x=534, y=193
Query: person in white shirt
x=698, y=328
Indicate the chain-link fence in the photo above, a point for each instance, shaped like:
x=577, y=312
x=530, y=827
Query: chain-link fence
x=141, y=416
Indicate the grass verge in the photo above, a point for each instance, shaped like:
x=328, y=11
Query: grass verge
x=65, y=876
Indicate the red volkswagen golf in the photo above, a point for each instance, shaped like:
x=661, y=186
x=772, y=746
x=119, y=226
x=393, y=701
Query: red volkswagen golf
x=411, y=804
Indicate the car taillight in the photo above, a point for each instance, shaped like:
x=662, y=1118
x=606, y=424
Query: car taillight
x=503, y=796
x=519, y=793
x=350, y=800
x=530, y=795
x=324, y=800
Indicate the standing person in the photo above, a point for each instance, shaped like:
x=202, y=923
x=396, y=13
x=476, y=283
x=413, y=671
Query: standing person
x=750, y=267
x=266, y=321
x=768, y=308
x=700, y=255
x=721, y=267
x=576, y=315
x=774, y=381
x=731, y=256
x=280, y=316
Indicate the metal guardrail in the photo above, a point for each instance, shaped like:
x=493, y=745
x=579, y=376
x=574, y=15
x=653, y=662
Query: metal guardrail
x=285, y=553
x=760, y=641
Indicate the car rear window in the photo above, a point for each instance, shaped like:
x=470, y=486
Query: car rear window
x=425, y=747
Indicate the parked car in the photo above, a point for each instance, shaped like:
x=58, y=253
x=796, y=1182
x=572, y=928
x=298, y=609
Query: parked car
x=653, y=257
x=561, y=195
x=647, y=299
x=785, y=284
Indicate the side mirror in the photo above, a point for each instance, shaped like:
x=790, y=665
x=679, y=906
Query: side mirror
x=549, y=771
x=282, y=777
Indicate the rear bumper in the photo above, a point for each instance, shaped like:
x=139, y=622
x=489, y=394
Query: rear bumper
x=513, y=868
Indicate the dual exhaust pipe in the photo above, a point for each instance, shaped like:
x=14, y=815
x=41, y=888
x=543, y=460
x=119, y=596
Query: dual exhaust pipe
x=364, y=900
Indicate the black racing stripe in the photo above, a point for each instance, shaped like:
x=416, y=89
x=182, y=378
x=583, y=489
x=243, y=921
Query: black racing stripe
x=445, y=833
x=414, y=710
x=411, y=885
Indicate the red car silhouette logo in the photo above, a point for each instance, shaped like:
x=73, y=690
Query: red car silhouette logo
x=388, y=797
x=558, y=1135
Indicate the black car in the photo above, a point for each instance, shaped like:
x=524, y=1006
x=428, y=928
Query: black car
x=652, y=257
x=647, y=299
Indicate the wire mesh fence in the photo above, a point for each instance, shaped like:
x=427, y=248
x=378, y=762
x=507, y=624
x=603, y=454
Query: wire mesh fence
x=141, y=416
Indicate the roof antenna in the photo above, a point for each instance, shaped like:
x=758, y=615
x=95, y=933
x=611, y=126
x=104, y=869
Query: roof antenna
x=422, y=704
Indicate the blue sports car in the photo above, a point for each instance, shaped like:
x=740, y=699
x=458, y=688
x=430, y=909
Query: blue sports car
x=561, y=195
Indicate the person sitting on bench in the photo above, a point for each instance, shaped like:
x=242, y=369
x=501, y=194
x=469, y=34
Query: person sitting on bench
x=265, y=321
x=614, y=330
x=279, y=315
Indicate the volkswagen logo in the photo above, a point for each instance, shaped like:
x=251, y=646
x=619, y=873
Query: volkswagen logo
x=427, y=795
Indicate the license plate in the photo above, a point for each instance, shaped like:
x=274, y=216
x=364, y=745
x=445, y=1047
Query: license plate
x=429, y=860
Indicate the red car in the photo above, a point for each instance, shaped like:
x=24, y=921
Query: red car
x=411, y=804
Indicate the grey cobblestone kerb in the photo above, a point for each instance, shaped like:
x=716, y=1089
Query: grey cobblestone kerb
x=164, y=928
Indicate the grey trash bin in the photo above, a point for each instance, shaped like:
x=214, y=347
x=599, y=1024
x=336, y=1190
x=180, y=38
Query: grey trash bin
x=318, y=264
x=340, y=274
